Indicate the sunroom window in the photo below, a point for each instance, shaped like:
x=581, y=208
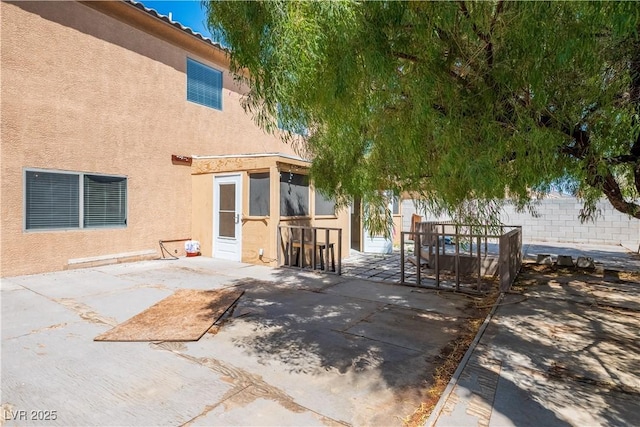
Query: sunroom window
x=259, y=203
x=294, y=194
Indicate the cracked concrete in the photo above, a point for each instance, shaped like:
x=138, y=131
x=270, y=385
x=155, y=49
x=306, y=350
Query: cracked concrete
x=299, y=348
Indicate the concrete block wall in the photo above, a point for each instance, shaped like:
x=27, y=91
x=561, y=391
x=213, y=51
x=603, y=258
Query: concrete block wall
x=558, y=222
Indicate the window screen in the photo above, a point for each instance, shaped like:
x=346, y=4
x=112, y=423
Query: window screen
x=52, y=200
x=227, y=210
x=324, y=205
x=294, y=194
x=105, y=201
x=259, y=194
x=204, y=85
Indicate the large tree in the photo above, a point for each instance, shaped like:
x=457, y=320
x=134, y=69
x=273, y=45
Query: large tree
x=459, y=103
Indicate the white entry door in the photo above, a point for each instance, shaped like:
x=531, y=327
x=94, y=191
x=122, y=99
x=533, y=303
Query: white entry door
x=227, y=221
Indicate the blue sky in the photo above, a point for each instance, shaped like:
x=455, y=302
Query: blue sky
x=187, y=12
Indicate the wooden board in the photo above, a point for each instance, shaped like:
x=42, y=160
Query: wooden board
x=184, y=316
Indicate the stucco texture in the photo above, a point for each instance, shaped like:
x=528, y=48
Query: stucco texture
x=84, y=92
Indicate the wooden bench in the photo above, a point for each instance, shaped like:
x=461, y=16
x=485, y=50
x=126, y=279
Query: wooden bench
x=320, y=247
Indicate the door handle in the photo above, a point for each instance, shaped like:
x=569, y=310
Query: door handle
x=237, y=218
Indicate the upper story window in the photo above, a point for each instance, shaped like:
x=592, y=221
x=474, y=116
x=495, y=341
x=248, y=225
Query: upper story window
x=204, y=84
x=63, y=200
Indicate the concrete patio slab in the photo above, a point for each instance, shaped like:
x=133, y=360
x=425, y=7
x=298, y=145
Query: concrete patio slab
x=303, y=348
x=175, y=276
x=398, y=326
x=30, y=313
x=120, y=305
x=404, y=296
x=564, y=352
x=298, y=348
x=266, y=413
x=75, y=282
x=90, y=383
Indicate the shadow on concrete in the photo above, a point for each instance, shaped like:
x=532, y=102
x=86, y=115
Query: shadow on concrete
x=376, y=337
x=567, y=353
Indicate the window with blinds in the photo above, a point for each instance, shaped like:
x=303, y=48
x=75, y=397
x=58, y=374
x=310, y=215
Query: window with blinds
x=204, y=84
x=105, y=201
x=52, y=200
x=62, y=200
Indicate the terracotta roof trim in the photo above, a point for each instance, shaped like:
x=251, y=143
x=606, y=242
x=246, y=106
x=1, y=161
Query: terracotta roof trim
x=255, y=155
x=173, y=23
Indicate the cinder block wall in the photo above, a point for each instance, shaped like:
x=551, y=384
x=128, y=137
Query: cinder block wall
x=558, y=222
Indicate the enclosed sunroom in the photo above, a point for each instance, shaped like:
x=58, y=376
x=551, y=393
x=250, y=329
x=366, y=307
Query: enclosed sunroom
x=245, y=206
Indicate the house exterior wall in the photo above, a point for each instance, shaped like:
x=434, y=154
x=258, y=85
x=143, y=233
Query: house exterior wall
x=558, y=221
x=202, y=214
x=257, y=232
x=86, y=91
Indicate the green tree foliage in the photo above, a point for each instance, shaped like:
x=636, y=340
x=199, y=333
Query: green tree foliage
x=462, y=104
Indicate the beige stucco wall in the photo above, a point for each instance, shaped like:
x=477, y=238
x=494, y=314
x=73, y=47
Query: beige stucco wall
x=257, y=232
x=202, y=213
x=82, y=91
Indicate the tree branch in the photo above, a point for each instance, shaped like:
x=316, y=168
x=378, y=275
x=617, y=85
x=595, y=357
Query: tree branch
x=612, y=191
x=489, y=46
x=463, y=8
x=623, y=159
x=606, y=183
x=579, y=149
x=485, y=37
x=407, y=56
x=634, y=95
x=498, y=11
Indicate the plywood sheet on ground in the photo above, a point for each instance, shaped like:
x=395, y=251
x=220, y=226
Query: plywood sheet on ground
x=184, y=316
